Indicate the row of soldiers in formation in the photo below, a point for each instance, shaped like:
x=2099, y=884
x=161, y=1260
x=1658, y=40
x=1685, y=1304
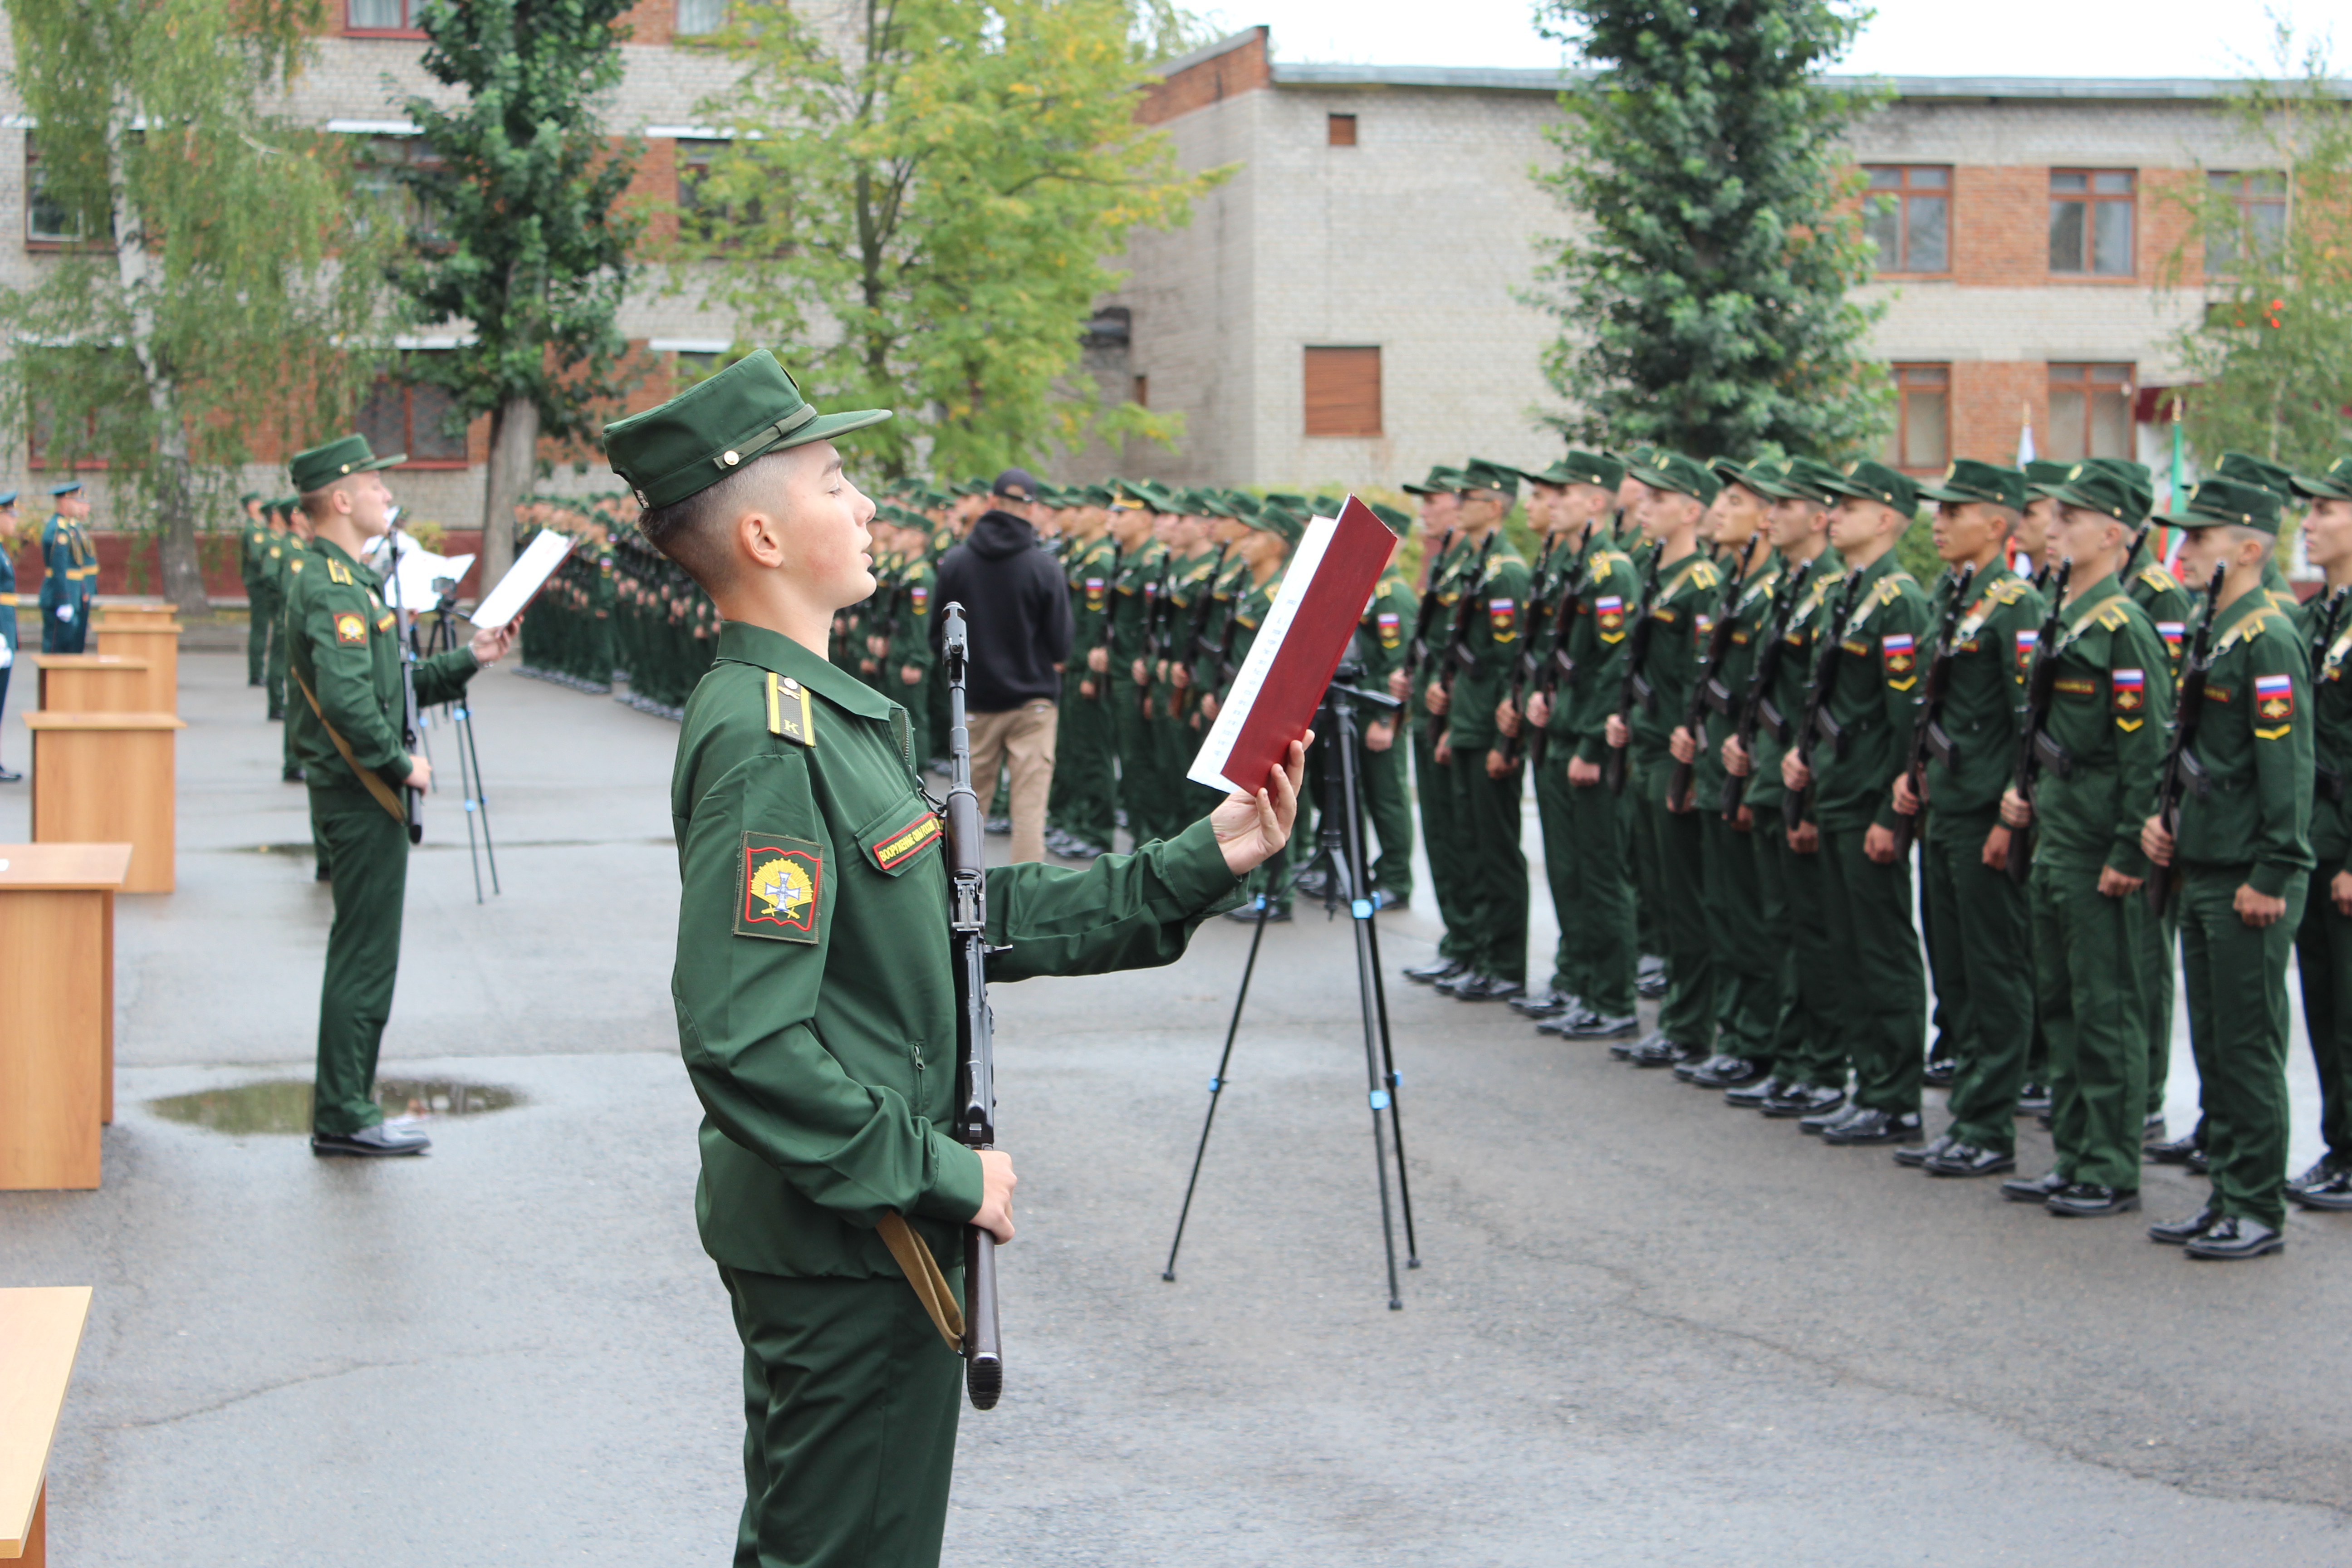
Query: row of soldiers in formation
x=69, y=583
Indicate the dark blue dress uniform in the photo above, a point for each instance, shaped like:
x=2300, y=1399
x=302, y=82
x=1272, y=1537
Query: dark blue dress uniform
x=7, y=629
x=69, y=581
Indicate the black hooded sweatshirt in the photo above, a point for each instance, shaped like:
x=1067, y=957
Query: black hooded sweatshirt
x=1017, y=605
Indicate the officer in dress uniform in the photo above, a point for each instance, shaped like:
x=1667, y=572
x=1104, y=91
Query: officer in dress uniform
x=69, y=571
x=7, y=612
x=811, y=863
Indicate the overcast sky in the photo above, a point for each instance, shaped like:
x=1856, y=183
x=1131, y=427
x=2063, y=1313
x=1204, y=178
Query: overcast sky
x=1909, y=37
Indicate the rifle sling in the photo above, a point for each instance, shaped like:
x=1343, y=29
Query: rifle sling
x=923, y=1274
x=368, y=776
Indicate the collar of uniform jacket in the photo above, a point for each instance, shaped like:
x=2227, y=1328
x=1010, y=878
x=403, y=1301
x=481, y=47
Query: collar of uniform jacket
x=367, y=574
x=764, y=649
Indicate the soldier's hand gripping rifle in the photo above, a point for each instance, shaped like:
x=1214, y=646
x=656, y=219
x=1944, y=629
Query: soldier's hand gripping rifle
x=2182, y=771
x=1928, y=736
x=412, y=727
x=1760, y=677
x=975, y=1124
x=1634, y=690
x=1816, y=724
x=2034, y=747
x=1110, y=609
x=1680, y=777
x=1416, y=652
x=1458, y=657
x=1545, y=670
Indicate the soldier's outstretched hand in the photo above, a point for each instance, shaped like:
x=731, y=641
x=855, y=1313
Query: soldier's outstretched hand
x=1250, y=828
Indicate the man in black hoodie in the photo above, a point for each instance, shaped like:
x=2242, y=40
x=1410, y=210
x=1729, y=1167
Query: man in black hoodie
x=1018, y=608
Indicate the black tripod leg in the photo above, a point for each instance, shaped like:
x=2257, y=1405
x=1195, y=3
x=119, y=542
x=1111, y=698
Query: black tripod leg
x=480, y=799
x=1217, y=1087
x=1342, y=797
x=1395, y=1081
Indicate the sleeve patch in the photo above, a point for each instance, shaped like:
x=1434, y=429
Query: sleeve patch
x=2275, y=696
x=2130, y=690
x=351, y=627
x=1900, y=652
x=2027, y=641
x=781, y=880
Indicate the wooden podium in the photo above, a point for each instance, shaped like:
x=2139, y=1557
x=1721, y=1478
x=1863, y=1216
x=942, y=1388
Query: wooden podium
x=107, y=778
x=91, y=683
x=57, y=1009
x=40, y=1331
x=144, y=631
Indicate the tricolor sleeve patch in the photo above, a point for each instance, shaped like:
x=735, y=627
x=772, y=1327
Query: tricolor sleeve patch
x=2130, y=690
x=2275, y=696
x=1900, y=653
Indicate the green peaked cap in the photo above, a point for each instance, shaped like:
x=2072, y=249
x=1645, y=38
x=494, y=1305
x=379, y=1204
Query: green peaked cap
x=716, y=426
x=344, y=455
x=2097, y=488
x=1683, y=475
x=2231, y=503
x=1875, y=481
x=1969, y=480
x=2249, y=469
x=2332, y=483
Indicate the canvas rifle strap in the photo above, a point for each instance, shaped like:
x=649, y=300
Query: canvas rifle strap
x=368, y=776
x=923, y=1273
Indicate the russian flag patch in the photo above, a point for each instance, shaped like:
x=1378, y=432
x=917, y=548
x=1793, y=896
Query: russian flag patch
x=2027, y=641
x=2172, y=632
x=2275, y=696
x=2130, y=686
x=1899, y=652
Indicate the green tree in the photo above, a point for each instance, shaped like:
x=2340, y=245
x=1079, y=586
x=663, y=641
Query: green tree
x=524, y=240
x=923, y=215
x=218, y=283
x=1705, y=290
x=2270, y=355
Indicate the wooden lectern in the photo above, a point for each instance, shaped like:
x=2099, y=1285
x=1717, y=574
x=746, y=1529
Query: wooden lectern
x=40, y=1331
x=57, y=1009
x=91, y=683
x=148, y=632
x=107, y=778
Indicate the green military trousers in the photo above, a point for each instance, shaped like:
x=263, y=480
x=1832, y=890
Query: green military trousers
x=2093, y=998
x=2323, y=951
x=367, y=855
x=1140, y=787
x=850, y=1400
x=1676, y=854
x=2159, y=940
x=1809, y=1045
x=2234, y=977
x=275, y=676
x=1389, y=806
x=1594, y=899
x=1441, y=835
x=1554, y=826
x=1744, y=947
x=1882, y=986
x=1084, y=777
x=1979, y=928
x=260, y=617
x=1494, y=871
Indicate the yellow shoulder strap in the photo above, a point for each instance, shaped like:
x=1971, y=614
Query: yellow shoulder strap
x=368, y=776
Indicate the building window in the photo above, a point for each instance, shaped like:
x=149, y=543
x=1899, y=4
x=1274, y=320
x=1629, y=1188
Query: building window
x=1908, y=216
x=1922, y=438
x=377, y=159
x=1343, y=392
x=402, y=415
x=47, y=221
x=1143, y=392
x=696, y=17
x=1341, y=130
x=2090, y=412
x=2260, y=200
x=2091, y=221
x=380, y=17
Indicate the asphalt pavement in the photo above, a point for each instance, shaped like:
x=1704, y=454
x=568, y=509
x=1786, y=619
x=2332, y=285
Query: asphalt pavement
x=1648, y=1329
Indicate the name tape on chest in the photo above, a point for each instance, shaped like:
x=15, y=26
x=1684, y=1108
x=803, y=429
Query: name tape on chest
x=895, y=847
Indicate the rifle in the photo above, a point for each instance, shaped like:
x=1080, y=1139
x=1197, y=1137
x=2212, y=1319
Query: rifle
x=1197, y=635
x=1416, y=652
x=412, y=728
x=1927, y=735
x=1757, y=697
x=1157, y=598
x=1110, y=587
x=1634, y=691
x=1546, y=670
x=1679, y=777
x=1458, y=657
x=2329, y=783
x=2033, y=742
x=1830, y=651
x=975, y=1127
x=2182, y=771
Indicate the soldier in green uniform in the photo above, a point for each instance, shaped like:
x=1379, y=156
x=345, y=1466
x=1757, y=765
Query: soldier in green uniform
x=801, y=979
x=68, y=571
x=272, y=555
x=2243, y=862
x=1976, y=926
x=1086, y=775
x=1444, y=558
x=1865, y=726
x=906, y=655
x=1386, y=631
x=1141, y=789
x=1275, y=531
x=2323, y=943
x=291, y=567
x=346, y=667
x=7, y=610
x=253, y=546
x=1677, y=490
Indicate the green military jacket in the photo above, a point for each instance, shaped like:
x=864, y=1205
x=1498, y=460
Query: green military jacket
x=2255, y=738
x=2109, y=702
x=2331, y=737
x=1685, y=599
x=1587, y=691
x=1250, y=610
x=1873, y=692
x=1751, y=623
x=252, y=549
x=1132, y=596
x=1972, y=754
x=1783, y=705
x=911, y=646
x=344, y=648
x=2168, y=603
x=813, y=986
x=1225, y=594
x=1387, y=629
x=1452, y=565
x=1497, y=621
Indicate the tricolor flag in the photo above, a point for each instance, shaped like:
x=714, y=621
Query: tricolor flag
x=1608, y=602
x=2273, y=696
x=2027, y=641
x=2172, y=632
x=2130, y=688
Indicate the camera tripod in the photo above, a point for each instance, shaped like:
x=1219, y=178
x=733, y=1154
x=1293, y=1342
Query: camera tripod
x=460, y=711
x=1339, y=850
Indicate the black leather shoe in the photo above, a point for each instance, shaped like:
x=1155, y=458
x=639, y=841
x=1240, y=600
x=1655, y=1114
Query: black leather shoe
x=1918, y=1155
x=1685, y=1071
x=2181, y=1232
x=2033, y=1189
x=1805, y=1101
x=1467, y=977
x=1664, y=1052
x=1752, y=1096
x=1588, y=1025
x=1724, y=1073
x=1968, y=1160
x=380, y=1142
x=1625, y=1050
x=10, y=775
x=2335, y=1196
x=1311, y=883
x=2089, y=1200
x=1650, y=978
x=2033, y=1100
x=2235, y=1238
x=1544, y=1004
x=2176, y=1153
x=2152, y=1130
x=1437, y=969
x=1875, y=1127
x=1828, y=1119
x=1938, y=1071
x=2199, y=1162
x=2319, y=1175
x=1488, y=988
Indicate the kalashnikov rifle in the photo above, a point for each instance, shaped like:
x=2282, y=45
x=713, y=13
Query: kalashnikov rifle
x=1458, y=657
x=2182, y=771
x=412, y=727
x=1828, y=653
x=1634, y=690
x=975, y=1124
x=2329, y=782
x=1158, y=601
x=1416, y=652
x=1543, y=669
x=1110, y=602
x=1680, y=777
x=1558, y=663
x=1196, y=636
x=1928, y=737
x=1759, y=695
x=2034, y=746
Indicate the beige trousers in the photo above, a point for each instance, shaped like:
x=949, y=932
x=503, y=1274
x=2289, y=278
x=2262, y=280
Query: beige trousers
x=1022, y=741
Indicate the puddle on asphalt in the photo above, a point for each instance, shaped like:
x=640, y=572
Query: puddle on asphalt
x=283, y=1105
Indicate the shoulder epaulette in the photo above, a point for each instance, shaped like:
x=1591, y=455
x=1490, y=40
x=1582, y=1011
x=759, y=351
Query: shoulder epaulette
x=788, y=711
x=337, y=572
x=2157, y=577
x=2112, y=617
x=2009, y=590
x=1705, y=576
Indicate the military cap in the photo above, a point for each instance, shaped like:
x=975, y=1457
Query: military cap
x=9, y=500
x=2227, y=503
x=1578, y=467
x=2101, y=489
x=2043, y=472
x=1486, y=474
x=249, y=495
x=2332, y=483
x=65, y=489
x=321, y=466
x=1097, y=495
x=1289, y=502
x=1329, y=505
x=1637, y=456
x=2247, y=469
x=972, y=487
x=1441, y=481
x=1968, y=480
x=1683, y=476
x=705, y=432
x=1747, y=476
x=1796, y=478
x=1275, y=516
x=2136, y=479
x=1867, y=481
x=1398, y=520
